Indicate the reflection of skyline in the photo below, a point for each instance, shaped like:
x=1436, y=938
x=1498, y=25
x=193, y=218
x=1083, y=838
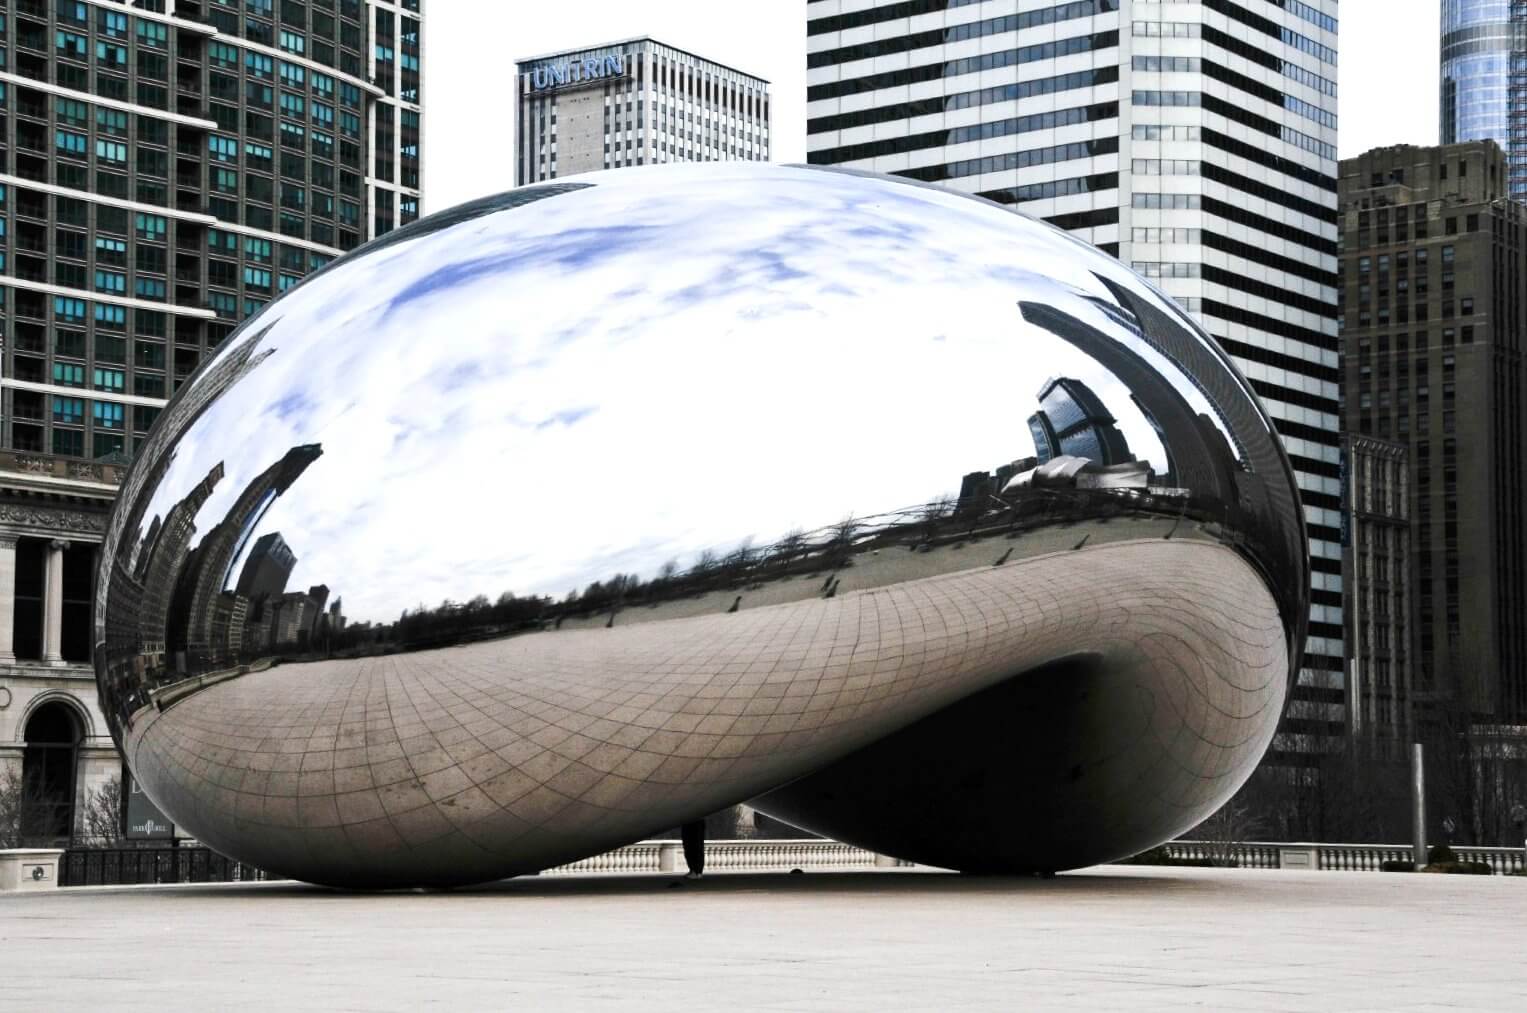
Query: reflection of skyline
x=562, y=379
x=175, y=613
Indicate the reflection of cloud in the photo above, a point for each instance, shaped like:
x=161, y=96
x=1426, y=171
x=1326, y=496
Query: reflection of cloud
x=670, y=360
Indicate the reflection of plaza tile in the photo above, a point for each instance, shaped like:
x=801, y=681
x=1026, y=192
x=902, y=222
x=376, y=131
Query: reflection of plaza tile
x=1202, y=687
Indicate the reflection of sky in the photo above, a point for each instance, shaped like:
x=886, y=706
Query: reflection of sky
x=674, y=359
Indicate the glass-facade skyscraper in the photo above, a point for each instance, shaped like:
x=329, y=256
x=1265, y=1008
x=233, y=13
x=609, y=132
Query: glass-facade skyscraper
x=1484, y=79
x=1194, y=140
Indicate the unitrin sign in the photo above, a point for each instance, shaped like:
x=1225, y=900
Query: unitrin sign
x=590, y=68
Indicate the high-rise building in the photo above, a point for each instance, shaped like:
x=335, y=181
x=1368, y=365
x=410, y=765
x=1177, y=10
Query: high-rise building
x=267, y=567
x=1434, y=291
x=167, y=167
x=1196, y=141
x=635, y=102
x=1379, y=604
x=1484, y=79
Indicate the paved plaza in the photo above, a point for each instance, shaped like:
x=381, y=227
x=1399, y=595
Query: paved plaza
x=1114, y=938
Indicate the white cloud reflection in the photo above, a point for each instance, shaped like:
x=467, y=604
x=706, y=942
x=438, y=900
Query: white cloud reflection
x=674, y=359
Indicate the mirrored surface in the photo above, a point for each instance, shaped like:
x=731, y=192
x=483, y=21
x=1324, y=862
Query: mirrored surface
x=564, y=516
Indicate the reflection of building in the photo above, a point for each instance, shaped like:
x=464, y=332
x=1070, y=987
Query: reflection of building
x=1073, y=421
x=634, y=103
x=1433, y=286
x=190, y=628
x=267, y=567
x=1376, y=573
x=1484, y=89
x=1225, y=121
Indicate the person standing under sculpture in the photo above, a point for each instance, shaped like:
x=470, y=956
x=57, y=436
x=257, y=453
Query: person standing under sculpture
x=693, y=836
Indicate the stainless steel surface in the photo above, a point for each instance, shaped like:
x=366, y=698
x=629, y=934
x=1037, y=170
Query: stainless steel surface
x=758, y=470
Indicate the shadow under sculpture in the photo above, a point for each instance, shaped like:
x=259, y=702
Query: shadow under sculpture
x=911, y=519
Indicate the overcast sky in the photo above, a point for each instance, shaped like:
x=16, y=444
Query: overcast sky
x=1388, y=79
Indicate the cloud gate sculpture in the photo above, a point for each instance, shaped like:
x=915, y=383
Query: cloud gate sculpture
x=560, y=518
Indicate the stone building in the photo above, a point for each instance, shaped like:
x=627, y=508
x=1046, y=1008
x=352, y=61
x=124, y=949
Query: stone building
x=1433, y=296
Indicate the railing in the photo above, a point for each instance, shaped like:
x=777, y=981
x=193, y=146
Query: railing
x=734, y=856
x=1336, y=857
x=125, y=866
x=119, y=866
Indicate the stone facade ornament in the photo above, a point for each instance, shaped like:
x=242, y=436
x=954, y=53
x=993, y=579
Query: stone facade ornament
x=52, y=518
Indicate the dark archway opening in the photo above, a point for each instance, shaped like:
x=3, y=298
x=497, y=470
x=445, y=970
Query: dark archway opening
x=47, y=776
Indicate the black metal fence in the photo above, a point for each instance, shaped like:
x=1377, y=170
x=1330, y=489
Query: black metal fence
x=123, y=866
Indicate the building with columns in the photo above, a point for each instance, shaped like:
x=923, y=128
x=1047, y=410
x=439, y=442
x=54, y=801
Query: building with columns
x=167, y=168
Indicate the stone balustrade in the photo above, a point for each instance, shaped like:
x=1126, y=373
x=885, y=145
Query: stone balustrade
x=1337, y=857
x=733, y=856
x=664, y=856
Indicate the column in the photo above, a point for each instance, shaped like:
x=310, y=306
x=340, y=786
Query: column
x=7, y=599
x=53, y=604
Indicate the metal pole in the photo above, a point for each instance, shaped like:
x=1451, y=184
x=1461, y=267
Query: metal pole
x=1418, y=802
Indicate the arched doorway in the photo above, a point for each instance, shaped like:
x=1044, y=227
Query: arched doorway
x=47, y=775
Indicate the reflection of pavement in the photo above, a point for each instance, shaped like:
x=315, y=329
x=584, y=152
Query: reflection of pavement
x=528, y=752
x=895, y=564
x=1107, y=939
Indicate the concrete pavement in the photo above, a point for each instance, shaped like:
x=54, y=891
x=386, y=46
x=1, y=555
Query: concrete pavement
x=1114, y=938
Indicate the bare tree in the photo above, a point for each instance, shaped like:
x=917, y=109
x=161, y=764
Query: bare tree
x=101, y=821
x=12, y=800
x=1231, y=826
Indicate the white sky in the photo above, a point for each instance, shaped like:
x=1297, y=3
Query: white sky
x=1388, y=78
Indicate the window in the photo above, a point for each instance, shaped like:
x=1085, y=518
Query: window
x=110, y=379
x=110, y=251
x=293, y=74
x=154, y=34
x=257, y=156
x=107, y=415
x=67, y=309
x=150, y=288
x=67, y=374
x=257, y=278
x=111, y=55
x=72, y=113
x=71, y=46
x=71, y=145
x=110, y=317
x=223, y=55
x=69, y=410
x=68, y=443
x=112, y=282
x=223, y=304
x=293, y=42
x=152, y=227
x=224, y=149
x=260, y=66
x=111, y=151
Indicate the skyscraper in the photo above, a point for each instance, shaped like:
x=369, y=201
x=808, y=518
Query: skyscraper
x=1195, y=141
x=1484, y=79
x=1433, y=301
x=635, y=102
x=167, y=168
